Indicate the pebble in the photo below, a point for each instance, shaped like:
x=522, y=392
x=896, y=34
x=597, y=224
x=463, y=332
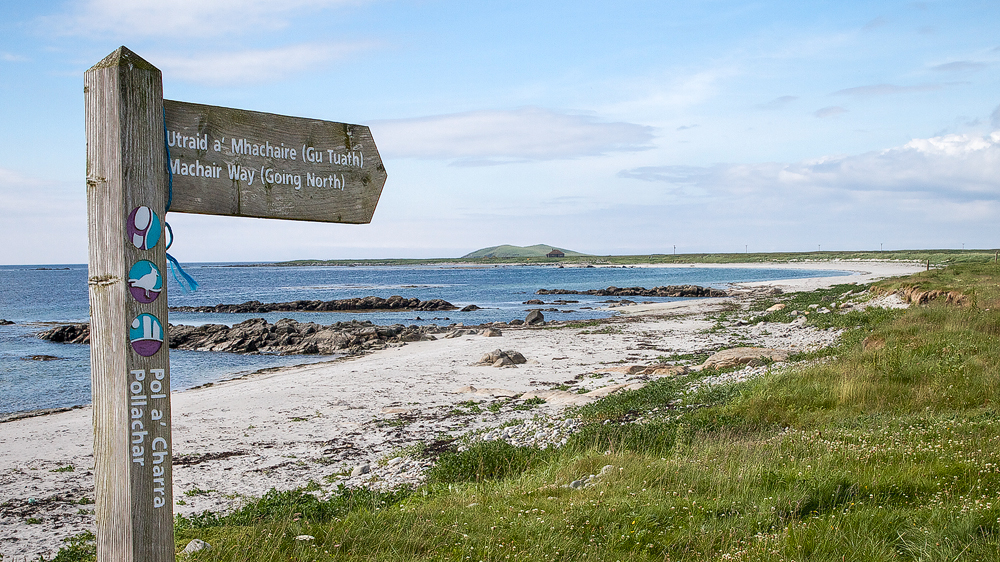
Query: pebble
x=541, y=432
x=196, y=545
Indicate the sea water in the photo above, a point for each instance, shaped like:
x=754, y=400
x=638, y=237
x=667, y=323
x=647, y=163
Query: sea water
x=34, y=297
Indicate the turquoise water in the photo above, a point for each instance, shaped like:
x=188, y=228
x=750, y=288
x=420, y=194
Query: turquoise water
x=32, y=296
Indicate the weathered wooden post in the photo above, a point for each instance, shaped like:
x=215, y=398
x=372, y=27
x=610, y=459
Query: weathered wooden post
x=223, y=161
x=130, y=368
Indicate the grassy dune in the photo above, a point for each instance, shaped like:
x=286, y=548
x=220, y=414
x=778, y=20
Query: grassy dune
x=884, y=448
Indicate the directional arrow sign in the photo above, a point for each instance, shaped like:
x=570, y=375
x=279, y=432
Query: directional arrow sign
x=235, y=162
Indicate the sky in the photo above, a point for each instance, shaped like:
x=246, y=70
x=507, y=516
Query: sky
x=625, y=127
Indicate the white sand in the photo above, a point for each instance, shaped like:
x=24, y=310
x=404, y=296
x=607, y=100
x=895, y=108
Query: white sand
x=282, y=429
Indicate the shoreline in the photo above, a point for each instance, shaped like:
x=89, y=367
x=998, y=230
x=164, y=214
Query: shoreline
x=874, y=270
x=284, y=427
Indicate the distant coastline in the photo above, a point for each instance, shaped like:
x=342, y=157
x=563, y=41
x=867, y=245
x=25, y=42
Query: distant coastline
x=934, y=256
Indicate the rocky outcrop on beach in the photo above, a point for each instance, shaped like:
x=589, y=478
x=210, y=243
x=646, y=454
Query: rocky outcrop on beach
x=5, y=322
x=284, y=337
x=288, y=337
x=742, y=356
x=343, y=305
x=500, y=358
x=67, y=333
x=665, y=291
x=534, y=318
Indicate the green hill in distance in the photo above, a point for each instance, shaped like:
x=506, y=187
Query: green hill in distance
x=508, y=251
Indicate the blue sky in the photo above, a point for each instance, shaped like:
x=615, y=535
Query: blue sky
x=625, y=127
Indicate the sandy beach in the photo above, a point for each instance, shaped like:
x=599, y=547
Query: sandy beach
x=285, y=428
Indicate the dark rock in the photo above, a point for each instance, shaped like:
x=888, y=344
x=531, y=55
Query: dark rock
x=534, y=301
x=534, y=318
x=666, y=291
x=469, y=308
x=515, y=357
x=516, y=322
x=500, y=358
x=40, y=358
x=68, y=333
x=284, y=337
x=5, y=322
x=394, y=302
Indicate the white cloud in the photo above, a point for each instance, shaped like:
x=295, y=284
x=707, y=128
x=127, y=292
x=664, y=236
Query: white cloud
x=830, y=111
x=251, y=66
x=9, y=57
x=778, y=103
x=497, y=137
x=182, y=18
x=952, y=169
x=959, y=66
x=885, y=89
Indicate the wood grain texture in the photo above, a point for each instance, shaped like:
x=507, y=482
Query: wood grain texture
x=250, y=164
x=125, y=169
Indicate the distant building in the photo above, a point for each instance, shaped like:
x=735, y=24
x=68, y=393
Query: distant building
x=555, y=254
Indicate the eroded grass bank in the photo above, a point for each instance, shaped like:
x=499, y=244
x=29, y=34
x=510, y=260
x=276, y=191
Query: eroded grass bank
x=884, y=448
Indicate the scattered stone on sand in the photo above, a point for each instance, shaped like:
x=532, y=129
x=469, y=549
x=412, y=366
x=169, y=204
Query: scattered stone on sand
x=540, y=431
x=566, y=398
x=535, y=318
x=776, y=307
x=494, y=392
x=657, y=370
x=500, y=358
x=360, y=470
x=742, y=356
x=492, y=332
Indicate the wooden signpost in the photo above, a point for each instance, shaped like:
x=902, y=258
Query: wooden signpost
x=222, y=162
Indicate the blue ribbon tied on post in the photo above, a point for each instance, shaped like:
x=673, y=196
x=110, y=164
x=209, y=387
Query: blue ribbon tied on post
x=187, y=283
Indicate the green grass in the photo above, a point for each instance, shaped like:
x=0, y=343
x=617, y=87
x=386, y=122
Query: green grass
x=979, y=281
x=528, y=404
x=79, y=548
x=885, y=448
